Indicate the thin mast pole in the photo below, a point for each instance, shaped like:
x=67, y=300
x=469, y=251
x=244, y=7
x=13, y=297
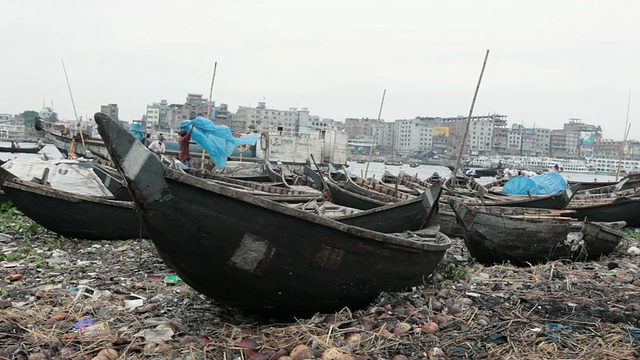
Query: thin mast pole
x=627, y=127
x=375, y=136
x=209, y=108
x=73, y=104
x=473, y=102
x=213, y=79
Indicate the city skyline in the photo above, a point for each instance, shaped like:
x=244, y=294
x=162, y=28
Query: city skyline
x=549, y=61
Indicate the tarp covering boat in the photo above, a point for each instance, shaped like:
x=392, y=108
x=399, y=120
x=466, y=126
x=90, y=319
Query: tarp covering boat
x=216, y=140
x=545, y=184
x=63, y=175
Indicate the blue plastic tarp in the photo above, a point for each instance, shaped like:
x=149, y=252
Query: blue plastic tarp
x=216, y=140
x=545, y=184
x=137, y=130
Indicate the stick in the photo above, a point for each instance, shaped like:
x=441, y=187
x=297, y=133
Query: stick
x=324, y=183
x=213, y=79
x=375, y=136
x=73, y=104
x=624, y=141
x=466, y=132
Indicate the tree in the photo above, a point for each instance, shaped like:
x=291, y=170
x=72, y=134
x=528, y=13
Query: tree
x=53, y=117
x=29, y=117
x=252, y=126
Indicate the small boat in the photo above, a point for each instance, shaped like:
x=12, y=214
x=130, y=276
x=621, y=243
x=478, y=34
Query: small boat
x=393, y=163
x=20, y=150
x=73, y=215
x=361, y=161
x=526, y=236
x=414, y=165
x=259, y=255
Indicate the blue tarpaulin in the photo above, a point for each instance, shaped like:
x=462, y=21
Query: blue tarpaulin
x=216, y=140
x=137, y=130
x=545, y=184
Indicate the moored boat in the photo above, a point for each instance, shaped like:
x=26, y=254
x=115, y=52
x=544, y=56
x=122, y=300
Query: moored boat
x=526, y=236
x=259, y=255
x=73, y=215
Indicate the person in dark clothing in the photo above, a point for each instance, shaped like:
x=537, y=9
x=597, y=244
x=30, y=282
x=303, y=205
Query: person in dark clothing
x=183, y=140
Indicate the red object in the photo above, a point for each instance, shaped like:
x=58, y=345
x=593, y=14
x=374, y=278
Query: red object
x=183, y=141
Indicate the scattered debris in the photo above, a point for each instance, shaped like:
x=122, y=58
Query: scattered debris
x=108, y=300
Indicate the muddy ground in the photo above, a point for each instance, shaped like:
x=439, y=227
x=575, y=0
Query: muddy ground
x=63, y=298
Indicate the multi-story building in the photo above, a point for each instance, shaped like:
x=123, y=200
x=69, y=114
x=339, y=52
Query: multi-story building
x=564, y=143
x=364, y=126
x=292, y=120
x=111, y=110
x=413, y=136
x=386, y=139
x=608, y=149
x=528, y=141
x=480, y=136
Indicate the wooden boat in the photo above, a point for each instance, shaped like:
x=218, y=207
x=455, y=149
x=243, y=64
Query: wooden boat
x=632, y=180
x=29, y=150
x=557, y=201
x=260, y=255
x=73, y=215
x=625, y=209
x=414, y=165
x=64, y=140
x=522, y=236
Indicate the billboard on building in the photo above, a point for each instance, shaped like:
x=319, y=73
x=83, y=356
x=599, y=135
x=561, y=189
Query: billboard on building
x=440, y=130
x=586, y=137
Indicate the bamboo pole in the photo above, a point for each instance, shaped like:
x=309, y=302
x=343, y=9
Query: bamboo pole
x=213, y=79
x=627, y=127
x=73, y=104
x=375, y=135
x=464, y=138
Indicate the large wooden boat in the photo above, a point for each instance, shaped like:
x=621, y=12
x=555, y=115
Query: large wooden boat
x=526, y=236
x=625, y=209
x=260, y=255
x=73, y=215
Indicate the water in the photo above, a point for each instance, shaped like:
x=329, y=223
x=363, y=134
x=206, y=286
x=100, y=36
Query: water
x=376, y=169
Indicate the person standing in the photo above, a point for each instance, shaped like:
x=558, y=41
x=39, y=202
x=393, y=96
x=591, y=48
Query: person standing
x=183, y=140
x=158, y=146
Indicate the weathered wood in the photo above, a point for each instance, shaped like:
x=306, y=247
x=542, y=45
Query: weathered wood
x=492, y=237
x=259, y=255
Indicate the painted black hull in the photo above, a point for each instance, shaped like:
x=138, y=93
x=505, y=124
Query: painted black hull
x=622, y=209
x=20, y=150
x=3, y=197
x=259, y=255
x=412, y=214
x=493, y=238
x=76, y=216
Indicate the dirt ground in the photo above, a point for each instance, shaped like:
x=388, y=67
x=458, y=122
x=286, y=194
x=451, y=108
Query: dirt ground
x=69, y=299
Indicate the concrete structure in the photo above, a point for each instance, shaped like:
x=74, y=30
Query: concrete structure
x=528, y=141
x=413, y=136
x=480, y=137
x=111, y=110
x=287, y=147
x=364, y=126
x=608, y=149
x=286, y=121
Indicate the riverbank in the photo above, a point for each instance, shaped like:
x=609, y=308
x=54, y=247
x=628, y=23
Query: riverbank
x=64, y=298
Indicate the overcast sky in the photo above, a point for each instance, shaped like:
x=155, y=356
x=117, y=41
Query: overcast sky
x=549, y=60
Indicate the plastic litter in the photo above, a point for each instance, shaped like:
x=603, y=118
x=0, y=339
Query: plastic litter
x=84, y=322
x=171, y=279
x=96, y=329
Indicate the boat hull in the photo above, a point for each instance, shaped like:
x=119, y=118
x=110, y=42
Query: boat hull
x=496, y=239
x=72, y=215
x=259, y=255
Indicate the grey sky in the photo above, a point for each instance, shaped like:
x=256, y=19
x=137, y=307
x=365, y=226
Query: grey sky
x=549, y=60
